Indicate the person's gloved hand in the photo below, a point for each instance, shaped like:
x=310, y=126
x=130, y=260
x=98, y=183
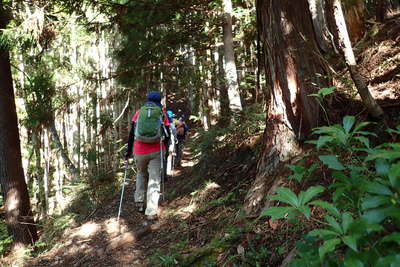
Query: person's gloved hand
x=127, y=155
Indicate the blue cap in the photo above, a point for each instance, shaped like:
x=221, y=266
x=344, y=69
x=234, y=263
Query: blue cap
x=154, y=96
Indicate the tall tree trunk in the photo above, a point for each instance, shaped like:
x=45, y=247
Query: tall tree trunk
x=64, y=155
x=230, y=65
x=292, y=66
x=223, y=95
x=17, y=204
x=381, y=8
x=372, y=106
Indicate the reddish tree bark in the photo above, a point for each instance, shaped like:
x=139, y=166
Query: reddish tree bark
x=293, y=64
x=17, y=205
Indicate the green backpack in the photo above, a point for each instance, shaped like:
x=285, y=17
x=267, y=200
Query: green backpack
x=149, y=124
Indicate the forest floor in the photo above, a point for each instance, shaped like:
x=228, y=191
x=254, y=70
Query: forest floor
x=104, y=241
x=200, y=217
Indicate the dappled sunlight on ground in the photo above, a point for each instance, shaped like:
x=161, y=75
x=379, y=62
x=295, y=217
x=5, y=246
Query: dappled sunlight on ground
x=87, y=230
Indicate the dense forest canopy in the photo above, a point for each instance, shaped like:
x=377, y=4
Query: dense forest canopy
x=293, y=114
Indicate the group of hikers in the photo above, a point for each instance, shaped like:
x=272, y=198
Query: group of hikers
x=156, y=139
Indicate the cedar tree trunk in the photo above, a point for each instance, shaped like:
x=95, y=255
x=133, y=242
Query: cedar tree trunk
x=19, y=218
x=292, y=63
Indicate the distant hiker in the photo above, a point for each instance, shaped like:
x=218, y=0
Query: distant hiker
x=150, y=129
x=181, y=133
x=171, y=151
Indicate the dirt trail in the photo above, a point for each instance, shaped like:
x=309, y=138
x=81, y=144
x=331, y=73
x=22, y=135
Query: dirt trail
x=103, y=241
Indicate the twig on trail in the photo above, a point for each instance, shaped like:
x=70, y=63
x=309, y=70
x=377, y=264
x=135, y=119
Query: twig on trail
x=91, y=214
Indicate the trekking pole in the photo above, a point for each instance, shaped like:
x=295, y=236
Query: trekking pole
x=162, y=170
x=123, y=189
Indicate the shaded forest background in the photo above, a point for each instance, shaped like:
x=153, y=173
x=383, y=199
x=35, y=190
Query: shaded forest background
x=254, y=80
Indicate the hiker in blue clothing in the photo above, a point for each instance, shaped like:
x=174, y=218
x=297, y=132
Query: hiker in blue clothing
x=170, y=153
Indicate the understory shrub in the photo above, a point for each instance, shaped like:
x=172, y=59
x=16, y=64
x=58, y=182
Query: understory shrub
x=361, y=221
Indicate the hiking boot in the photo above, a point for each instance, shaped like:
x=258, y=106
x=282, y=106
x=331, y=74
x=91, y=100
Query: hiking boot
x=140, y=206
x=151, y=219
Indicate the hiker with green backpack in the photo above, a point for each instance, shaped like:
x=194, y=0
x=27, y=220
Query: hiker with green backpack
x=150, y=129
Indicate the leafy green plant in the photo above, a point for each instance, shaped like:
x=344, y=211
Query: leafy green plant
x=298, y=204
x=300, y=172
x=343, y=136
x=361, y=223
x=5, y=238
x=320, y=95
x=168, y=260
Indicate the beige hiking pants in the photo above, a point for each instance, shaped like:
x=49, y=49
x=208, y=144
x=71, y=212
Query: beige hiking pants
x=148, y=180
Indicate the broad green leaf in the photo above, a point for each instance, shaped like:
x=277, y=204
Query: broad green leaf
x=375, y=216
x=332, y=162
x=311, y=192
x=367, y=133
x=326, y=91
x=305, y=210
x=397, y=131
x=340, y=176
x=328, y=206
x=394, y=175
x=378, y=215
x=363, y=140
x=379, y=189
x=312, y=168
x=393, y=237
x=338, y=194
x=388, y=261
x=286, y=195
x=360, y=126
x=353, y=262
x=329, y=130
x=298, y=172
x=361, y=226
x=389, y=155
x=350, y=241
x=328, y=246
x=277, y=212
x=382, y=166
x=334, y=224
x=322, y=140
x=374, y=202
x=348, y=122
x=323, y=233
x=347, y=219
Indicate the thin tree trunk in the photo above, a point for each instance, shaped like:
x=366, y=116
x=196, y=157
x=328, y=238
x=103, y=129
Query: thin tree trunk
x=317, y=10
x=230, y=65
x=63, y=153
x=372, y=106
x=381, y=8
x=223, y=95
x=17, y=205
x=42, y=205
